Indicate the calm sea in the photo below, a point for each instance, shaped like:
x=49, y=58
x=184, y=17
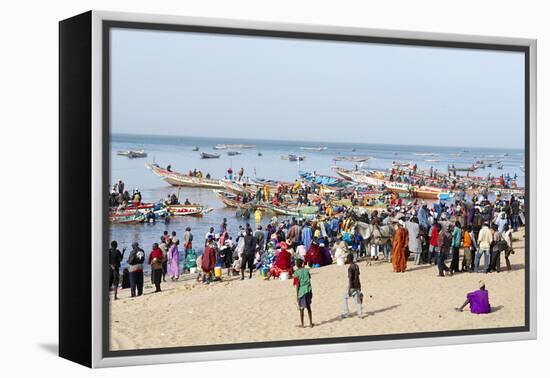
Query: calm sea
x=177, y=151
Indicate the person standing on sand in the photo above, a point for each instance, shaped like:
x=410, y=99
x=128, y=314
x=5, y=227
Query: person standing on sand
x=135, y=261
x=173, y=258
x=249, y=251
x=353, y=289
x=468, y=246
x=164, y=246
x=155, y=260
x=433, y=249
x=304, y=293
x=509, y=250
x=307, y=236
x=400, y=244
x=208, y=260
x=415, y=243
x=484, y=240
x=115, y=257
x=443, y=243
x=456, y=241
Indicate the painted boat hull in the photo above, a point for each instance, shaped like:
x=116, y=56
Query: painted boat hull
x=179, y=179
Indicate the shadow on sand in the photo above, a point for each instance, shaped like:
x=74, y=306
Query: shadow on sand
x=369, y=313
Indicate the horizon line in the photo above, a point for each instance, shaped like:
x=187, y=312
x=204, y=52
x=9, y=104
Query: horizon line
x=316, y=141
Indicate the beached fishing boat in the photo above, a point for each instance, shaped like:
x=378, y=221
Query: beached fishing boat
x=179, y=179
x=303, y=211
x=238, y=187
x=195, y=148
x=322, y=179
x=234, y=200
x=431, y=161
x=159, y=211
x=319, y=148
x=186, y=210
x=133, y=154
x=461, y=169
x=378, y=179
x=206, y=155
x=134, y=218
x=346, y=174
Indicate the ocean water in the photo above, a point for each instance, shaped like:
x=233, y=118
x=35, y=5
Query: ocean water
x=176, y=151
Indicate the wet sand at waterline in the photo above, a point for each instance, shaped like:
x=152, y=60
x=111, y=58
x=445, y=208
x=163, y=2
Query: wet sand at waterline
x=187, y=313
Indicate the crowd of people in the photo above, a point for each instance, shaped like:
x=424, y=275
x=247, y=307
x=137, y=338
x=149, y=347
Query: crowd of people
x=287, y=248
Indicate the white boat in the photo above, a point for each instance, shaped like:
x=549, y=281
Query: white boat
x=206, y=155
x=318, y=148
x=179, y=179
x=132, y=154
x=234, y=146
x=353, y=159
x=293, y=157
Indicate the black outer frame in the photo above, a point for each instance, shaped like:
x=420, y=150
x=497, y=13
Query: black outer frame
x=107, y=25
x=75, y=154
x=75, y=165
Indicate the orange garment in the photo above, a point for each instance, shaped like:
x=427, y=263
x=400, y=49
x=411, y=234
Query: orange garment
x=467, y=240
x=400, y=243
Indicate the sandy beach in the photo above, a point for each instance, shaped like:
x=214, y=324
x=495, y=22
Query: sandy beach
x=187, y=313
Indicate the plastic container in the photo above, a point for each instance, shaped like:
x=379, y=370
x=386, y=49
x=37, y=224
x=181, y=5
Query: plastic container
x=192, y=270
x=263, y=272
x=283, y=276
x=316, y=266
x=218, y=272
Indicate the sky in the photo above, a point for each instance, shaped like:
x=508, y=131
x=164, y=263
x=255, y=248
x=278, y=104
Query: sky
x=181, y=83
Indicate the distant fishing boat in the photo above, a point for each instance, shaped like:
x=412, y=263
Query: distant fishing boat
x=293, y=157
x=234, y=146
x=233, y=153
x=206, y=155
x=431, y=161
x=353, y=159
x=318, y=148
x=195, y=148
x=260, y=154
x=425, y=154
x=401, y=164
x=132, y=154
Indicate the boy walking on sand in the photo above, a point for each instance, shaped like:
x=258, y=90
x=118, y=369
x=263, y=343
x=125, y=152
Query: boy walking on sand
x=302, y=281
x=353, y=289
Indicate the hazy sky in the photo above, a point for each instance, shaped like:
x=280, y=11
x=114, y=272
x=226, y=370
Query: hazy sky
x=179, y=83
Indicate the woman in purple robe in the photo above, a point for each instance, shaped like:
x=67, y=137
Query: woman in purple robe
x=174, y=261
